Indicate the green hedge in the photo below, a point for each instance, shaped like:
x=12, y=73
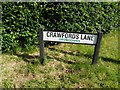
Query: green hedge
x=22, y=20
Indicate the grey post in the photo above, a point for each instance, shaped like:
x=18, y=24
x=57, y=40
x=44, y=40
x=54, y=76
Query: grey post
x=41, y=45
x=97, y=48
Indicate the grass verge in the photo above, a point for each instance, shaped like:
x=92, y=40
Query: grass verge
x=66, y=66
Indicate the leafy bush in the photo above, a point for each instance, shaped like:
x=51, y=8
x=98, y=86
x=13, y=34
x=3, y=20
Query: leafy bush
x=22, y=20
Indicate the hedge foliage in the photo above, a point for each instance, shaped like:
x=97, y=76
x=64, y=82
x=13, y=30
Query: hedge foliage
x=22, y=20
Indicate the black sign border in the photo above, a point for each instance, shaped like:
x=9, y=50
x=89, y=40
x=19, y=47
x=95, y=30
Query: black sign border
x=71, y=42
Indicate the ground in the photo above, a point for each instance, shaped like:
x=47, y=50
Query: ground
x=65, y=66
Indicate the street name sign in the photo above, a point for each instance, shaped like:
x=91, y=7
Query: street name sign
x=67, y=37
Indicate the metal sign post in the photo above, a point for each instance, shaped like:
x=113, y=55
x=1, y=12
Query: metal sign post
x=41, y=45
x=97, y=48
x=66, y=37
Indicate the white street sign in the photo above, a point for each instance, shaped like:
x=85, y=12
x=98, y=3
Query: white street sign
x=69, y=37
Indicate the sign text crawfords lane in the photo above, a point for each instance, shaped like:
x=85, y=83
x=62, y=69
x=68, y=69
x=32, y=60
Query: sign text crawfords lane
x=69, y=37
x=84, y=38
